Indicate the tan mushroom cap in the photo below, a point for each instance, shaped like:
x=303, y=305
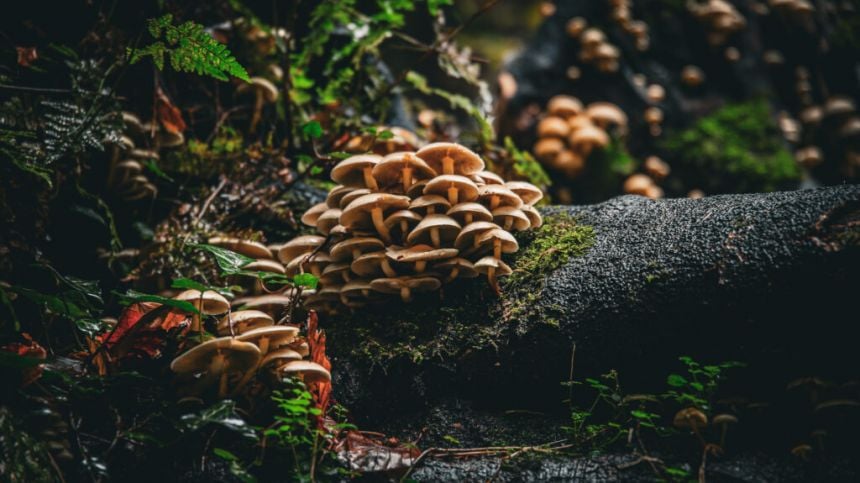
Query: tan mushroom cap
x=535, y=218
x=455, y=187
x=244, y=321
x=140, y=154
x=313, y=214
x=497, y=240
x=132, y=122
x=168, y=139
x=592, y=37
x=456, y=267
x=309, y=371
x=372, y=264
x=262, y=86
x=690, y=418
x=529, y=193
x=305, y=261
x=429, y=204
x=270, y=338
x=355, y=293
x=553, y=127
x=494, y=196
x=369, y=211
x=488, y=263
x=336, y=195
x=280, y=356
x=402, y=221
x=328, y=220
x=564, y=106
x=208, y=303
x=489, y=177
x=401, y=168
x=266, y=303
x=587, y=138
x=417, y=189
x=420, y=255
x=300, y=345
x=335, y=273
x=467, y=238
x=125, y=143
x=330, y=292
x=510, y=218
x=265, y=265
x=406, y=286
x=465, y=213
x=451, y=158
x=546, y=149
x=809, y=156
x=656, y=167
x=606, y=115
x=220, y=355
x=352, y=248
x=356, y=171
x=436, y=229
x=298, y=246
x=837, y=106
x=249, y=248
x=637, y=184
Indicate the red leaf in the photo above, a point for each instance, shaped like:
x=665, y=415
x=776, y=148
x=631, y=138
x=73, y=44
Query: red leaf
x=321, y=391
x=30, y=349
x=168, y=115
x=26, y=55
x=145, y=341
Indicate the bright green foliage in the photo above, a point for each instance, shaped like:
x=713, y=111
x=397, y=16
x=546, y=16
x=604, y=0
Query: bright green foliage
x=526, y=166
x=190, y=49
x=697, y=386
x=456, y=101
x=549, y=247
x=735, y=149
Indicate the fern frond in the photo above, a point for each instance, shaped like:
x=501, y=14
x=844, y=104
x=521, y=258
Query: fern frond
x=190, y=49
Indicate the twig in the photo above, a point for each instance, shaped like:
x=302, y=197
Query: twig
x=211, y=197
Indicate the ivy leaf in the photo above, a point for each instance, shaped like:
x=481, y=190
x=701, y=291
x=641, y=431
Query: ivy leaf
x=676, y=380
x=306, y=280
x=229, y=261
x=312, y=130
x=222, y=413
x=385, y=135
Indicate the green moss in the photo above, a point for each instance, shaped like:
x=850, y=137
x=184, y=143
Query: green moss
x=738, y=148
x=549, y=247
x=604, y=173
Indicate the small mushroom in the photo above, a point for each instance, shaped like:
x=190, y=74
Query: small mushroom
x=451, y=159
x=535, y=219
x=217, y=358
x=270, y=338
x=403, y=168
x=309, y=372
x=406, y=286
x=493, y=268
x=249, y=248
x=314, y=212
x=723, y=421
x=489, y=177
x=333, y=200
x=328, y=220
x=436, y=229
x=456, y=267
x=691, y=419
x=243, y=321
x=208, y=302
x=357, y=171
x=692, y=76
x=369, y=210
x=457, y=188
x=421, y=255
x=564, y=106
x=500, y=241
x=355, y=292
x=465, y=213
x=584, y=140
x=401, y=222
x=468, y=237
x=299, y=246
x=656, y=167
x=264, y=93
x=429, y=205
x=529, y=193
x=546, y=149
x=270, y=304
x=637, y=184
x=510, y=218
x=335, y=273
x=313, y=262
x=802, y=451
x=352, y=248
x=553, y=127
x=494, y=196
x=575, y=26
x=372, y=264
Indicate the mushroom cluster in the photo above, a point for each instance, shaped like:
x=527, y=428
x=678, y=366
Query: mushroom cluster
x=409, y=222
x=250, y=344
x=833, y=127
x=646, y=184
x=719, y=17
x=594, y=47
x=400, y=139
x=621, y=14
x=570, y=132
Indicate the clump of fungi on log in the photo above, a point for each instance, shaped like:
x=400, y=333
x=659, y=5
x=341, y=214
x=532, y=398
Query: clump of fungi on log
x=409, y=222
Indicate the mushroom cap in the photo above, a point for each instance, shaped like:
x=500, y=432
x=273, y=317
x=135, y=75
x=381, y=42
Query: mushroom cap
x=357, y=214
x=265, y=265
x=328, y=220
x=330, y=292
x=637, y=184
x=690, y=418
x=654, y=192
x=368, y=264
x=478, y=211
x=343, y=250
x=394, y=219
x=416, y=189
x=313, y=214
x=564, y=106
x=249, y=248
x=298, y=246
x=506, y=196
x=248, y=319
x=509, y=243
x=168, y=139
x=209, y=303
x=553, y=127
x=465, y=268
x=350, y=171
x=724, y=419
x=535, y=219
x=605, y=114
x=140, y=154
x=402, y=140
x=278, y=335
x=589, y=136
x=336, y=194
x=489, y=177
x=839, y=106
x=320, y=259
x=132, y=122
x=265, y=303
x=422, y=203
x=280, y=355
x=466, y=161
x=547, y=149
x=467, y=235
x=483, y=266
x=129, y=166
x=389, y=171
x=310, y=371
x=261, y=85
x=125, y=143
x=356, y=286
x=439, y=185
x=809, y=156
x=239, y=356
x=520, y=220
x=333, y=273
x=447, y=227
x=421, y=253
x=592, y=37
x=606, y=52
x=529, y=193
x=851, y=128
x=416, y=283
x=656, y=167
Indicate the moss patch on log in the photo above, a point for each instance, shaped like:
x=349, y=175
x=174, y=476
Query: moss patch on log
x=469, y=316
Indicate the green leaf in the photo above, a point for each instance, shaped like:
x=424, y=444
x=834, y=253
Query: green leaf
x=91, y=327
x=676, y=380
x=312, y=130
x=385, y=135
x=133, y=296
x=306, y=280
x=222, y=413
x=224, y=454
x=229, y=261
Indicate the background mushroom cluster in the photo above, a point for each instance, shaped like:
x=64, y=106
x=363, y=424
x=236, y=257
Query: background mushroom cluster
x=250, y=345
x=409, y=222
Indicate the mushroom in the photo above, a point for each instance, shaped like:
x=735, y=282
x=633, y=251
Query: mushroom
x=355, y=292
x=357, y=171
x=535, y=219
x=509, y=218
x=493, y=268
x=456, y=267
x=584, y=140
x=468, y=237
x=692, y=76
x=217, y=358
x=169, y=139
x=264, y=93
x=271, y=304
x=529, y=193
x=328, y=220
x=553, y=127
x=313, y=214
x=406, y=286
x=429, y=204
x=435, y=228
x=333, y=200
x=500, y=241
x=299, y=246
x=371, y=264
x=369, y=210
x=564, y=106
x=265, y=265
x=335, y=273
x=249, y=248
x=457, y=188
x=270, y=338
x=451, y=159
x=723, y=421
x=546, y=149
x=310, y=372
x=656, y=167
x=315, y=262
x=402, y=167
x=494, y=196
x=352, y=248
x=809, y=156
x=637, y=184
x=243, y=321
x=402, y=221
x=465, y=213
x=489, y=177
x=692, y=419
x=278, y=358
x=208, y=302
x=802, y=451
x=420, y=255
x=655, y=93
x=575, y=26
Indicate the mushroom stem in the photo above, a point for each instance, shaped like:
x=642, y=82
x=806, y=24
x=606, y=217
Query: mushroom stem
x=315, y=270
x=420, y=266
x=696, y=432
x=434, y=237
x=431, y=210
x=404, y=228
x=723, y=435
x=491, y=277
x=258, y=110
x=453, y=195
x=469, y=218
x=451, y=276
x=494, y=202
x=509, y=220
x=345, y=275
x=405, y=294
x=387, y=269
x=356, y=253
x=407, y=178
x=369, y=180
x=263, y=345
x=379, y=223
x=447, y=165
x=497, y=249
